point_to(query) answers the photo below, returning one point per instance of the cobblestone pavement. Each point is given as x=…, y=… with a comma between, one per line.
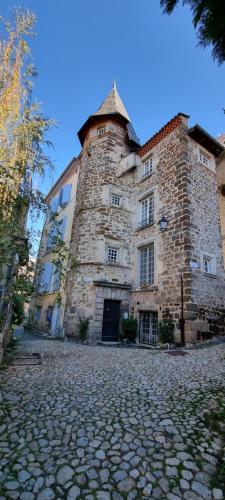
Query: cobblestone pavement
x=108, y=423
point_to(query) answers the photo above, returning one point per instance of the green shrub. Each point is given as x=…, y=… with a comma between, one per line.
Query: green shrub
x=83, y=328
x=166, y=331
x=129, y=328
x=18, y=314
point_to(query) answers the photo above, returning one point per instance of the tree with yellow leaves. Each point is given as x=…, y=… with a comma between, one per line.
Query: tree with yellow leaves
x=23, y=131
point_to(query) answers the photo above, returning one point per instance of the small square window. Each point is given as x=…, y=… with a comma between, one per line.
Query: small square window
x=101, y=130
x=203, y=158
x=148, y=166
x=112, y=254
x=116, y=200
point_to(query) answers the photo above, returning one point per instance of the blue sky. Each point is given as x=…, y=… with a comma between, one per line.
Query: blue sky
x=81, y=46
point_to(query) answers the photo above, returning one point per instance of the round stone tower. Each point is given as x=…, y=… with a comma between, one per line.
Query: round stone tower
x=99, y=278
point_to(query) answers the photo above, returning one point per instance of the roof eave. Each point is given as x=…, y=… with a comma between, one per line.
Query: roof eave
x=203, y=138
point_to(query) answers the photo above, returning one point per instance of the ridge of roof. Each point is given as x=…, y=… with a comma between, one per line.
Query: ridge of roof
x=163, y=132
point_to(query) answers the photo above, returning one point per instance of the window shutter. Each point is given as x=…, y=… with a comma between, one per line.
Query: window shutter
x=45, y=277
x=51, y=236
x=55, y=285
x=66, y=193
x=62, y=228
x=54, y=204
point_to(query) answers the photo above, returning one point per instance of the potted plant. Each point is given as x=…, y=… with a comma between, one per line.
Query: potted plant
x=166, y=331
x=129, y=329
x=83, y=328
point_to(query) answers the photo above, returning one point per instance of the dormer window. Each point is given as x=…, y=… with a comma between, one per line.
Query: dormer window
x=101, y=130
x=148, y=166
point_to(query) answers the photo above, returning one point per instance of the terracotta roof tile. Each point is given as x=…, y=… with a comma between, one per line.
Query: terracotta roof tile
x=163, y=132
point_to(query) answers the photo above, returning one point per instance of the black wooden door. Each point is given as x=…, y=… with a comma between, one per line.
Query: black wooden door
x=111, y=320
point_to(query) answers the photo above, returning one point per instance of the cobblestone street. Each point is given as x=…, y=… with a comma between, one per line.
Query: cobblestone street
x=111, y=423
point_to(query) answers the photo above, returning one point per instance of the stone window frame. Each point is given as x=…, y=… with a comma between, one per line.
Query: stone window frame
x=116, y=196
x=211, y=259
x=204, y=158
x=141, y=244
x=101, y=130
x=148, y=166
x=149, y=221
x=150, y=271
x=146, y=174
x=113, y=250
x=147, y=194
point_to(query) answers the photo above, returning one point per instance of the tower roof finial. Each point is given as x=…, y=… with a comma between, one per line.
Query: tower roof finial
x=114, y=84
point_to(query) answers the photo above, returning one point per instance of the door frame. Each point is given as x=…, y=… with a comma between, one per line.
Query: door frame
x=119, y=318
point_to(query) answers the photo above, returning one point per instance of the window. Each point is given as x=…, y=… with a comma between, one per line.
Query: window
x=45, y=278
x=101, y=130
x=147, y=265
x=116, y=200
x=112, y=254
x=148, y=166
x=57, y=231
x=203, y=158
x=148, y=327
x=38, y=313
x=208, y=264
x=65, y=194
x=54, y=204
x=147, y=211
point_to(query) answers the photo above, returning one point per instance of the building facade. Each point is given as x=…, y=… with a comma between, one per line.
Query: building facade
x=49, y=301
x=121, y=262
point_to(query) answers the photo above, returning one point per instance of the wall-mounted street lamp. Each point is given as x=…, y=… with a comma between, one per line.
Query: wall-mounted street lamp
x=163, y=223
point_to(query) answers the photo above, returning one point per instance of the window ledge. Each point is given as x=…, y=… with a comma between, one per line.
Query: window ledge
x=144, y=177
x=139, y=228
x=147, y=288
x=210, y=275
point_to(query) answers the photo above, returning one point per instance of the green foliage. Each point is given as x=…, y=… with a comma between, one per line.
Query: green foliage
x=166, y=331
x=83, y=328
x=129, y=328
x=208, y=20
x=18, y=314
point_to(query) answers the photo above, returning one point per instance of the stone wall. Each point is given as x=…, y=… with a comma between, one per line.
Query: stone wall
x=185, y=192
x=98, y=224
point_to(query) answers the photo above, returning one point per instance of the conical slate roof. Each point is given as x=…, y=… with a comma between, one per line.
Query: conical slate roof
x=113, y=105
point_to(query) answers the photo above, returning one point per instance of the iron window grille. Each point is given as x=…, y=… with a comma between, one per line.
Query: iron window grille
x=112, y=254
x=147, y=274
x=148, y=333
x=147, y=211
x=116, y=200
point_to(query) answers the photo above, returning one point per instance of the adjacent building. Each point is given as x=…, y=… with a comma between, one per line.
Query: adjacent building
x=49, y=301
x=145, y=218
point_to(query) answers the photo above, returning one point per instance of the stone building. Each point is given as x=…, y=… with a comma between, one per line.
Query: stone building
x=48, y=304
x=220, y=170
x=124, y=262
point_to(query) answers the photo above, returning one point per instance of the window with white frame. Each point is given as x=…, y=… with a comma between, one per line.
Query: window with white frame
x=116, y=199
x=208, y=264
x=112, y=254
x=101, y=130
x=147, y=211
x=148, y=166
x=147, y=274
x=203, y=158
